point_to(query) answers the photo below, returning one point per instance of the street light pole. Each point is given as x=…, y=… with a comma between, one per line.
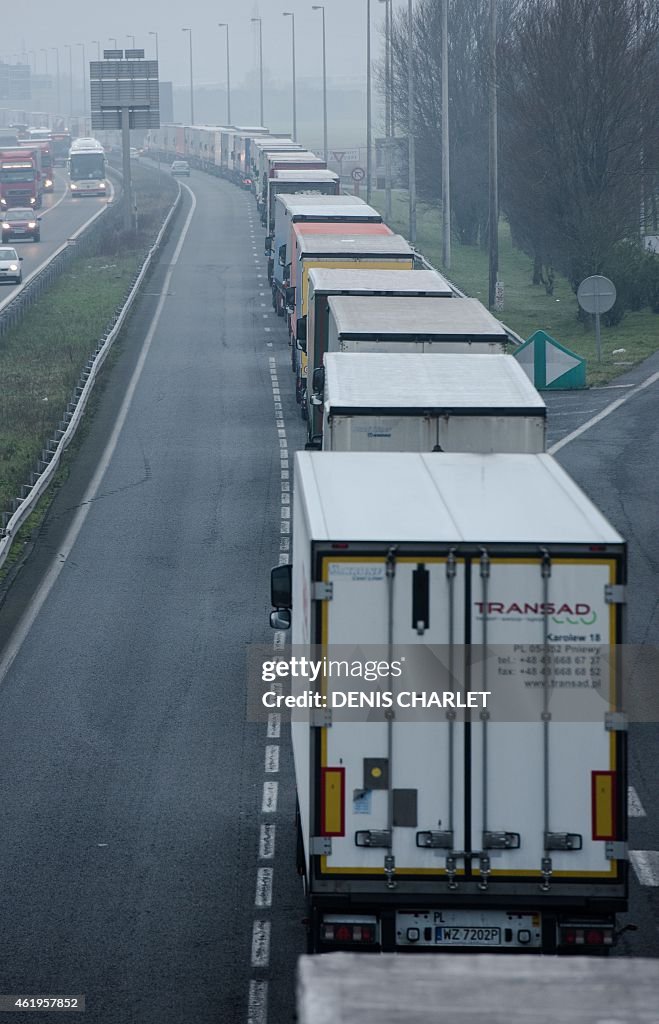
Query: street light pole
x=446, y=175
x=369, y=128
x=321, y=7
x=411, y=157
x=387, y=112
x=112, y=40
x=129, y=36
x=67, y=46
x=223, y=24
x=494, y=175
x=156, y=35
x=97, y=44
x=45, y=60
x=260, y=23
x=84, y=82
x=289, y=14
x=189, y=30
x=55, y=50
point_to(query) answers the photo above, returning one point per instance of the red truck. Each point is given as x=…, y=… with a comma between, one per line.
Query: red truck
x=21, y=178
x=47, y=161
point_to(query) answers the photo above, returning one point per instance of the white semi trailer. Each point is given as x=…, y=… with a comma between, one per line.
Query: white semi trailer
x=426, y=827
x=442, y=403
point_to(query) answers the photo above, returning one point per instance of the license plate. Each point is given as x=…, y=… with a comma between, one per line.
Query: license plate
x=19, y=231
x=468, y=936
x=448, y=927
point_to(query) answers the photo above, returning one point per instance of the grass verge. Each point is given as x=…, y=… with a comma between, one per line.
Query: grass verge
x=527, y=307
x=42, y=357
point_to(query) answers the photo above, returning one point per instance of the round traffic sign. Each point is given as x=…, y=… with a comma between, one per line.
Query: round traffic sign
x=596, y=294
x=358, y=174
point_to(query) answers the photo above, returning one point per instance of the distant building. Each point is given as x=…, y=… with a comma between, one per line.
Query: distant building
x=15, y=82
x=166, y=94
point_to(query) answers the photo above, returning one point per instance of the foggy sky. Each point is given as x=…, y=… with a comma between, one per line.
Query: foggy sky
x=45, y=24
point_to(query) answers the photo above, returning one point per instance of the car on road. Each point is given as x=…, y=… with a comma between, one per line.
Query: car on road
x=10, y=265
x=20, y=223
x=181, y=167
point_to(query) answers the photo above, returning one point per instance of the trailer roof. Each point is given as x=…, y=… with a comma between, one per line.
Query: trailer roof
x=470, y=989
x=266, y=143
x=443, y=497
x=304, y=154
x=358, y=245
x=370, y=282
x=298, y=206
x=304, y=174
x=362, y=317
x=442, y=382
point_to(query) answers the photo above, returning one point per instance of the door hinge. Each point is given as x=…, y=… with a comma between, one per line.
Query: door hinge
x=320, y=718
x=566, y=841
x=615, y=593
x=322, y=591
x=616, y=721
x=616, y=850
x=321, y=846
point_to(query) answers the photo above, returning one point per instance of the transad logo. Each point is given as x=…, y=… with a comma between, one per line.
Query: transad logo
x=580, y=613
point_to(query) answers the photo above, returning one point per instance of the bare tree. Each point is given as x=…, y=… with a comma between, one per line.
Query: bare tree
x=579, y=107
x=467, y=106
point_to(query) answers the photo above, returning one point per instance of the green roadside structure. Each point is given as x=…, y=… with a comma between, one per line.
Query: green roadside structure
x=550, y=365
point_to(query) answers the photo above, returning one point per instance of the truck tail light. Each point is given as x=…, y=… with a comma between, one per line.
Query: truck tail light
x=594, y=936
x=353, y=933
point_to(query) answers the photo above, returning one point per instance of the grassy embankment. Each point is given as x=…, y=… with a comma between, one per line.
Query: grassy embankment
x=527, y=308
x=41, y=359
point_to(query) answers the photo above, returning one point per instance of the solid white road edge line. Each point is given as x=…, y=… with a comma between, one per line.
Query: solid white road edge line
x=602, y=415
x=21, y=632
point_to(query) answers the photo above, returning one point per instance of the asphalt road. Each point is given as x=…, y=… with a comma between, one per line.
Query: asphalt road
x=146, y=827
x=60, y=216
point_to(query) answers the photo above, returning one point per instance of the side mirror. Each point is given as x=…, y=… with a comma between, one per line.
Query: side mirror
x=281, y=587
x=301, y=332
x=290, y=297
x=301, y=344
x=281, y=619
x=318, y=380
x=282, y=255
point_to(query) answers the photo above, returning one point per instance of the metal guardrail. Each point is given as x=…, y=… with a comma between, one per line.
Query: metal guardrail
x=515, y=338
x=427, y=265
x=81, y=243
x=51, y=455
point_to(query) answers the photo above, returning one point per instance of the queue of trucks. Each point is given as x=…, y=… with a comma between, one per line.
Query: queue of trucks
x=432, y=529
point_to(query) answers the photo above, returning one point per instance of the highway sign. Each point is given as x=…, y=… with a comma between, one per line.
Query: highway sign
x=596, y=295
